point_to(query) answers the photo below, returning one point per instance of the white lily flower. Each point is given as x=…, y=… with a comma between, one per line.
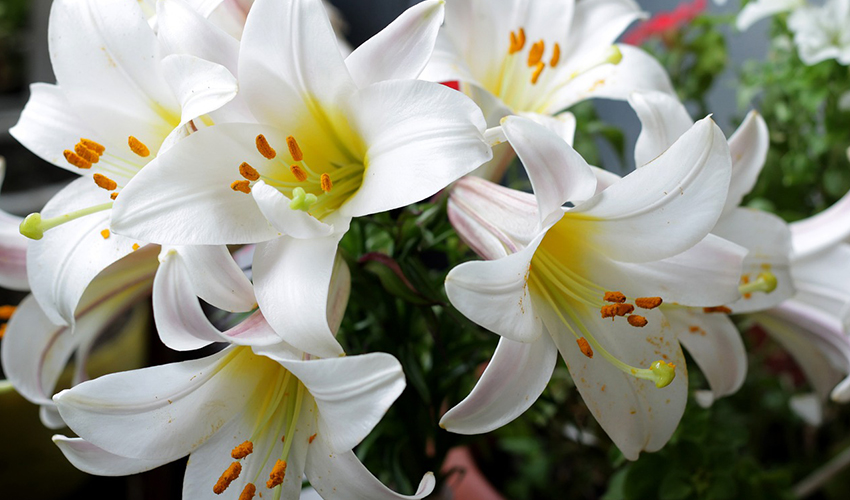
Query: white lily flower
x=645, y=235
x=821, y=33
x=759, y=9
x=13, y=247
x=251, y=422
x=336, y=139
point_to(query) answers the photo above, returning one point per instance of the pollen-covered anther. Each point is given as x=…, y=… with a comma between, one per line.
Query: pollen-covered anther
x=535, y=54
x=556, y=55
x=248, y=172
x=76, y=160
x=614, y=310
x=617, y=297
x=138, y=147
x=241, y=186
x=277, y=474
x=294, y=149
x=327, y=184
x=243, y=450
x=537, y=71
x=717, y=309
x=265, y=148
x=230, y=475
x=248, y=492
x=585, y=347
x=6, y=312
x=86, y=153
x=105, y=182
x=638, y=321
x=648, y=302
x=517, y=41
x=298, y=172
x=93, y=146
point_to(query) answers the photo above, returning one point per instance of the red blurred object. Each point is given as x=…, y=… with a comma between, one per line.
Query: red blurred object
x=663, y=23
x=454, y=84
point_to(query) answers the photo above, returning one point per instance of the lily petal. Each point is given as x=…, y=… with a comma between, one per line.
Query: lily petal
x=227, y=287
x=13, y=248
x=184, y=30
x=201, y=86
x=93, y=460
x=748, y=146
x=823, y=230
x=663, y=120
x=295, y=223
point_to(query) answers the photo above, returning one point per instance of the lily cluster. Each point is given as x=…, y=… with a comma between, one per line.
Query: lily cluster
x=224, y=147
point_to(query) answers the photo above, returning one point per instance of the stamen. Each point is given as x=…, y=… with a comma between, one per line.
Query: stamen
x=638, y=321
x=34, y=227
x=614, y=297
x=277, y=474
x=6, y=312
x=265, y=148
x=249, y=172
x=243, y=450
x=242, y=186
x=648, y=302
x=90, y=144
x=86, y=153
x=585, y=347
x=327, y=184
x=613, y=310
x=717, y=309
x=230, y=475
x=765, y=282
x=302, y=200
x=556, y=55
x=76, y=160
x=514, y=42
x=105, y=234
x=105, y=182
x=520, y=39
x=138, y=147
x=113, y=196
x=298, y=173
x=535, y=54
x=536, y=75
x=248, y=492
x=294, y=149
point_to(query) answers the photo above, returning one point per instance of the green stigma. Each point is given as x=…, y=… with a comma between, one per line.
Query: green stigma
x=34, y=227
x=302, y=200
x=765, y=282
x=664, y=373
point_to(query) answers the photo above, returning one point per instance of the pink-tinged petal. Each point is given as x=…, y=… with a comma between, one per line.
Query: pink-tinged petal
x=663, y=120
x=352, y=394
x=494, y=294
x=667, y=206
x=295, y=223
x=13, y=248
x=292, y=278
x=217, y=278
x=93, y=460
x=289, y=63
x=184, y=30
x=768, y=240
x=201, y=86
x=823, y=281
x=557, y=172
x=715, y=344
x=822, y=230
x=401, y=50
x=342, y=475
x=421, y=137
x=748, y=146
x=339, y=293
x=513, y=380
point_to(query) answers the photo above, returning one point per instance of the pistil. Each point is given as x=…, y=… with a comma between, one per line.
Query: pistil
x=34, y=227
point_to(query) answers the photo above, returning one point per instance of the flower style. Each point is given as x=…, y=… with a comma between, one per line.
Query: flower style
x=335, y=139
x=820, y=33
x=565, y=276
x=711, y=338
x=759, y=9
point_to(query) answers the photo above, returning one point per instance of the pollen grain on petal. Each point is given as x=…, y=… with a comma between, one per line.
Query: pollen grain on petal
x=76, y=160
x=311, y=438
x=537, y=71
x=241, y=186
x=249, y=172
x=717, y=309
x=617, y=297
x=638, y=321
x=227, y=477
x=105, y=182
x=86, y=153
x=243, y=450
x=138, y=147
x=105, y=234
x=265, y=148
x=248, y=492
x=277, y=474
x=648, y=302
x=585, y=347
x=298, y=172
x=6, y=312
x=327, y=184
x=136, y=246
x=113, y=196
x=92, y=145
x=556, y=55
x=294, y=149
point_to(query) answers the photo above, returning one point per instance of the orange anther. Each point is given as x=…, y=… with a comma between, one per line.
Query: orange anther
x=556, y=55
x=248, y=492
x=6, y=312
x=104, y=182
x=242, y=186
x=613, y=310
x=230, y=475
x=298, y=173
x=638, y=321
x=537, y=71
x=138, y=147
x=86, y=153
x=265, y=148
x=76, y=160
x=585, y=347
x=648, y=302
x=90, y=144
x=243, y=450
x=327, y=184
x=535, y=54
x=614, y=297
x=249, y=172
x=105, y=234
x=277, y=474
x=717, y=309
x=520, y=39
x=294, y=149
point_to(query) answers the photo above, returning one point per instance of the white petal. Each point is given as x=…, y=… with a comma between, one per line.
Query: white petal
x=93, y=460
x=342, y=475
x=401, y=50
x=217, y=278
x=758, y=10
x=183, y=30
x=663, y=120
x=201, y=86
x=352, y=393
x=13, y=248
x=563, y=124
x=292, y=278
x=296, y=223
x=748, y=146
x=715, y=344
x=823, y=282
x=494, y=294
x=822, y=230
x=421, y=136
x=513, y=380
x=667, y=206
x=558, y=174
x=596, y=25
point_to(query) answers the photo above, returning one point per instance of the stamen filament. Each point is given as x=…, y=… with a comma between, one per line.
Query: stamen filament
x=34, y=227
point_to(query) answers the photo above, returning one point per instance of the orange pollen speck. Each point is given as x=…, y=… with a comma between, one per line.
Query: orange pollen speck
x=105, y=234
x=241, y=186
x=277, y=474
x=104, y=182
x=248, y=492
x=113, y=196
x=638, y=321
x=138, y=147
x=298, y=173
x=535, y=54
x=294, y=149
x=136, y=246
x=243, y=450
x=613, y=310
x=76, y=160
x=265, y=148
x=614, y=297
x=6, y=312
x=327, y=184
x=86, y=153
x=585, y=347
x=249, y=172
x=311, y=438
x=537, y=71
x=717, y=309
x=556, y=55
x=230, y=475
x=90, y=144
x=648, y=302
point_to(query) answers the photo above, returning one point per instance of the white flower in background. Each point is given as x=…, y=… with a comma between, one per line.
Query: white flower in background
x=336, y=139
x=821, y=33
x=759, y=9
x=565, y=275
x=711, y=337
x=13, y=247
x=541, y=57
